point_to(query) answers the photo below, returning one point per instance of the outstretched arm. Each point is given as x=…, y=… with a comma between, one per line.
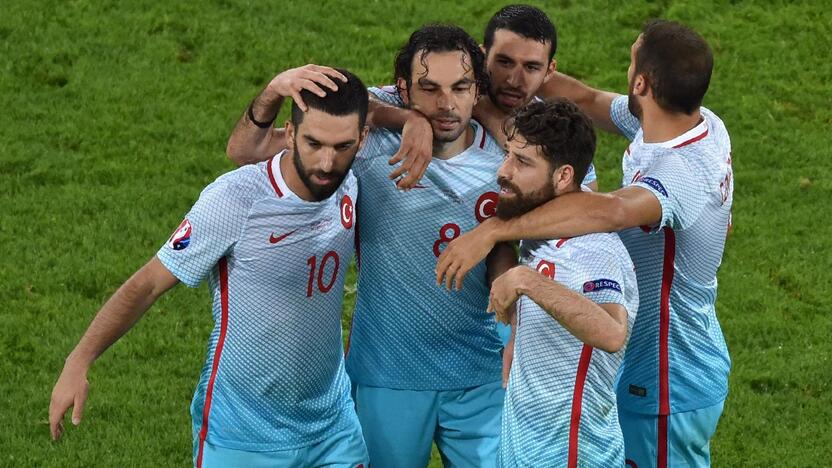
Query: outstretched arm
x=569, y=215
x=595, y=103
x=602, y=326
x=115, y=318
x=254, y=138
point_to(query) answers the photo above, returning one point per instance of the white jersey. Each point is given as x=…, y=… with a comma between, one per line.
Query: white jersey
x=560, y=407
x=274, y=376
x=677, y=359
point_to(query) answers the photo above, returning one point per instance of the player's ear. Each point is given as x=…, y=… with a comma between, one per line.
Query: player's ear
x=401, y=85
x=563, y=178
x=363, y=136
x=290, y=134
x=550, y=70
x=640, y=85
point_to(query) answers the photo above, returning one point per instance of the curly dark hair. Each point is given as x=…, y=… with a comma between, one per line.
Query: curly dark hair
x=564, y=133
x=440, y=38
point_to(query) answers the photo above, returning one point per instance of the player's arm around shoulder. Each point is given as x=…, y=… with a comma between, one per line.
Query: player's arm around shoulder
x=387, y=110
x=596, y=103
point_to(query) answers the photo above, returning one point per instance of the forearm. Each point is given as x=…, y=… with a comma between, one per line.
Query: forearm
x=583, y=318
x=116, y=317
x=593, y=102
x=568, y=215
x=383, y=115
x=250, y=143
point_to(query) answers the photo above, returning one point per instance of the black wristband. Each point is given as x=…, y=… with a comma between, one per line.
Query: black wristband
x=255, y=122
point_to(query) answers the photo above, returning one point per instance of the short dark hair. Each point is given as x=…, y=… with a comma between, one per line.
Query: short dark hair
x=350, y=97
x=677, y=63
x=524, y=20
x=441, y=38
x=560, y=128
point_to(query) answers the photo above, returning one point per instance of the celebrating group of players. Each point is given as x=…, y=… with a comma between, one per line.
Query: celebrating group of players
x=613, y=354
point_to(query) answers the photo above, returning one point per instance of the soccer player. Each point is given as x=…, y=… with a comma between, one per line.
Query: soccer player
x=520, y=44
x=274, y=241
x=426, y=363
x=577, y=298
x=673, y=214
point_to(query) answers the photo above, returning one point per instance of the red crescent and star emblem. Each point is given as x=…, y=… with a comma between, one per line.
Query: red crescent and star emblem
x=546, y=269
x=486, y=206
x=347, y=212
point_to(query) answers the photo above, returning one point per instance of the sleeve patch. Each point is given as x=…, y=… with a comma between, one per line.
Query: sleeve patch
x=181, y=237
x=601, y=284
x=655, y=184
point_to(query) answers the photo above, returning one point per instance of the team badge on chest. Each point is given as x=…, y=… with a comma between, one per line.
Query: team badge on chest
x=347, y=212
x=486, y=206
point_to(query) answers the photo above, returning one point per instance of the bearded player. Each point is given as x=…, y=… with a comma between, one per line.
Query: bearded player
x=273, y=240
x=576, y=302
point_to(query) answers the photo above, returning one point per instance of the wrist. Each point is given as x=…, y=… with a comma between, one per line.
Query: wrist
x=77, y=361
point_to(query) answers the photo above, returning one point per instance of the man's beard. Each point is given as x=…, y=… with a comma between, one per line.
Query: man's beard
x=520, y=204
x=319, y=192
x=447, y=136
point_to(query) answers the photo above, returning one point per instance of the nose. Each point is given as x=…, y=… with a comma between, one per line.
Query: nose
x=328, y=160
x=515, y=77
x=503, y=172
x=445, y=101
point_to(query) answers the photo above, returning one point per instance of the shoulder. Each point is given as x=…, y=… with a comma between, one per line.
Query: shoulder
x=592, y=248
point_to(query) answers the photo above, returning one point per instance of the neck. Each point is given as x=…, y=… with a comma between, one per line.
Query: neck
x=292, y=178
x=449, y=149
x=659, y=125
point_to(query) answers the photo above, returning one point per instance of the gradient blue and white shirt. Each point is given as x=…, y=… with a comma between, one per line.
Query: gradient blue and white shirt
x=407, y=332
x=677, y=358
x=274, y=376
x=560, y=406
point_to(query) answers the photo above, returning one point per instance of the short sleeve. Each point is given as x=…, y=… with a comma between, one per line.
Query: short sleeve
x=623, y=119
x=677, y=186
x=387, y=94
x=590, y=176
x=208, y=232
x=600, y=276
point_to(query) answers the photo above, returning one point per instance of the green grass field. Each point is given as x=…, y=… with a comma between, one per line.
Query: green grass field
x=115, y=114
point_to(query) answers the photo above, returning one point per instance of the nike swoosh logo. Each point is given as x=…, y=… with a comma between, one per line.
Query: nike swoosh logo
x=275, y=240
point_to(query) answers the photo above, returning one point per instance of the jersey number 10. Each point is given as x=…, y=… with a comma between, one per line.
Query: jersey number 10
x=313, y=263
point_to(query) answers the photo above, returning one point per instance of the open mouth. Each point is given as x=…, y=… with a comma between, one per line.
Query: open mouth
x=511, y=99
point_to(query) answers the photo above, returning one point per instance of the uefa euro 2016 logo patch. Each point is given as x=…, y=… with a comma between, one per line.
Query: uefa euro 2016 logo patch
x=181, y=237
x=601, y=284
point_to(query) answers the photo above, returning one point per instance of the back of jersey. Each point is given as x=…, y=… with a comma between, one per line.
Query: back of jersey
x=678, y=360
x=407, y=332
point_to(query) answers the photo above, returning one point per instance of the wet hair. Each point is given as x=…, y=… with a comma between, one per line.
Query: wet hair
x=677, y=63
x=350, y=98
x=558, y=126
x=440, y=38
x=526, y=21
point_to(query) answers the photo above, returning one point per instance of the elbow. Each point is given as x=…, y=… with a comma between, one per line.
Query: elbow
x=234, y=153
x=615, y=214
x=615, y=340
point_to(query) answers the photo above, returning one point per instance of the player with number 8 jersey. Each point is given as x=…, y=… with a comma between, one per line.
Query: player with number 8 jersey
x=400, y=312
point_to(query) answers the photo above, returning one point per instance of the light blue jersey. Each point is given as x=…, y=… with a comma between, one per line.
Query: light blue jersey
x=560, y=407
x=274, y=376
x=677, y=360
x=407, y=332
